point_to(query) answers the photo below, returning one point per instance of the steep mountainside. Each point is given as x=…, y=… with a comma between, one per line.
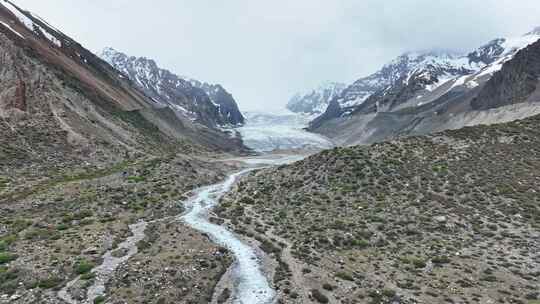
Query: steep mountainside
x=85, y=156
x=426, y=70
x=50, y=83
x=432, y=85
x=225, y=102
x=209, y=104
x=452, y=217
x=515, y=83
x=316, y=101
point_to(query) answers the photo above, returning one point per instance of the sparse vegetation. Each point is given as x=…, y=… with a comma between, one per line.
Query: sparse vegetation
x=430, y=207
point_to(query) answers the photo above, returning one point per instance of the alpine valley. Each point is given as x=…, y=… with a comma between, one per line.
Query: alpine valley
x=122, y=182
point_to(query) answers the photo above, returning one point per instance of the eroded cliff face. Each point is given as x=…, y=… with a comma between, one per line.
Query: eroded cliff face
x=59, y=100
x=50, y=115
x=516, y=82
x=13, y=87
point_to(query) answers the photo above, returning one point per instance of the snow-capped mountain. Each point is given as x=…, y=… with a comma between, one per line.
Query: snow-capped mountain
x=418, y=78
x=223, y=99
x=418, y=70
x=316, y=101
x=432, y=82
x=429, y=67
x=208, y=104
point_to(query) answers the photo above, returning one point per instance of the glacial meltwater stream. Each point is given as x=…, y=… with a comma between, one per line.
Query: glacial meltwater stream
x=251, y=284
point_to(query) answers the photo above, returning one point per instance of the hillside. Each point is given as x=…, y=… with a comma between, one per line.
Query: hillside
x=447, y=218
x=86, y=158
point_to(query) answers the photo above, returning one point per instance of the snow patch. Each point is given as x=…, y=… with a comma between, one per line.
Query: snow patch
x=472, y=84
x=11, y=29
x=441, y=81
x=31, y=25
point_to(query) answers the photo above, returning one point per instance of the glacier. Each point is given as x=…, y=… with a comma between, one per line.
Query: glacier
x=264, y=132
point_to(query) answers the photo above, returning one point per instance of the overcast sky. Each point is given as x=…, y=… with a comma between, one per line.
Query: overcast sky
x=265, y=51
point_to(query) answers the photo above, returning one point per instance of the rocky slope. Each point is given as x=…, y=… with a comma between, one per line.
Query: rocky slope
x=209, y=104
x=83, y=155
x=228, y=109
x=431, y=87
x=447, y=218
x=315, y=102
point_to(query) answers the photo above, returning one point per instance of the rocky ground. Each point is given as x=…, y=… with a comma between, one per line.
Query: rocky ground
x=56, y=223
x=448, y=218
x=175, y=265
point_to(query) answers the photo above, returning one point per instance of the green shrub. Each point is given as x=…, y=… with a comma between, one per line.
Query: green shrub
x=37, y=234
x=8, y=275
x=143, y=245
x=7, y=257
x=84, y=267
x=9, y=287
x=415, y=261
x=86, y=222
x=8, y=240
x=327, y=286
x=99, y=300
x=489, y=278
x=88, y=276
x=82, y=215
x=389, y=293
x=441, y=260
x=62, y=227
x=345, y=276
x=360, y=243
x=419, y=263
x=136, y=179
x=49, y=283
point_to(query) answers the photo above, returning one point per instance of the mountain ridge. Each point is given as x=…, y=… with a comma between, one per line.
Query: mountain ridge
x=425, y=86
x=209, y=104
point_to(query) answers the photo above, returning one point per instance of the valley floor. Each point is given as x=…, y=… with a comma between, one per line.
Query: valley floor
x=58, y=228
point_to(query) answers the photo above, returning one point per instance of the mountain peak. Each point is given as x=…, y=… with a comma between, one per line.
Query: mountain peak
x=418, y=54
x=317, y=100
x=535, y=31
x=110, y=53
